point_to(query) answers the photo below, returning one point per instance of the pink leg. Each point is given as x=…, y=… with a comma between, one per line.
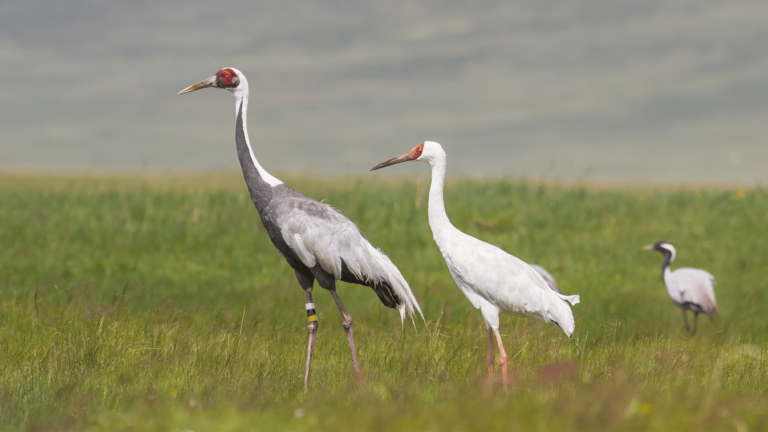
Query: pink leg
x=347, y=324
x=502, y=359
x=491, y=355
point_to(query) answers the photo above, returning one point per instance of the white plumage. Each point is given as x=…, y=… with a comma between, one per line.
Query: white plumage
x=690, y=285
x=494, y=281
x=497, y=282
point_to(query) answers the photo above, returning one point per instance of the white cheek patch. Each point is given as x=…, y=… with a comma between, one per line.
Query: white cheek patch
x=670, y=248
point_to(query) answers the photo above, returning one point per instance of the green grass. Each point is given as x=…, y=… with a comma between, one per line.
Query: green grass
x=158, y=303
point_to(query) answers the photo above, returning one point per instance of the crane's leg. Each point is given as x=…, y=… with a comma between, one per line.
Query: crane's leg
x=713, y=317
x=695, y=322
x=502, y=359
x=491, y=355
x=307, y=283
x=347, y=323
x=313, y=325
x=685, y=318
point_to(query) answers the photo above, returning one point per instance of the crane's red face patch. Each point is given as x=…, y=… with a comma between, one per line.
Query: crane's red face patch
x=416, y=152
x=227, y=78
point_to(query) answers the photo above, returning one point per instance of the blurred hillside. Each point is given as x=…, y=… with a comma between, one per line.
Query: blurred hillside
x=630, y=90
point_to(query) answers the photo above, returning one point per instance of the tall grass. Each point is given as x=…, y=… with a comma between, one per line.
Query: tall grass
x=160, y=304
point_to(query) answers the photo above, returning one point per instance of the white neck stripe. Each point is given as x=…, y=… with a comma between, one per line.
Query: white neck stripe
x=671, y=249
x=242, y=96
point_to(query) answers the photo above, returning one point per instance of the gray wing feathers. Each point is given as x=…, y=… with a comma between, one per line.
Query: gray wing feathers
x=320, y=235
x=548, y=278
x=382, y=269
x=296, y=243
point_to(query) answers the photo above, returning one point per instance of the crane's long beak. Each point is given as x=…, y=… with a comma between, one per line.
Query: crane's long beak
x=405, y=157
x=210, y=82
x=647, y=247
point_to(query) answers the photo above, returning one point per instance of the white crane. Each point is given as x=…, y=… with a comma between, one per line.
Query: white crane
x=316, y=240
x=689, y=288
x=493, y=280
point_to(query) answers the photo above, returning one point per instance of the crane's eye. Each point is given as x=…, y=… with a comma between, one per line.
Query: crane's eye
x=227, y=78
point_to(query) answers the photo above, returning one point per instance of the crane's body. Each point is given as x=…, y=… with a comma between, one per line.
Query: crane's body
x=492, y=280
x=689, y=288
x=317, y=241
x=496, y=282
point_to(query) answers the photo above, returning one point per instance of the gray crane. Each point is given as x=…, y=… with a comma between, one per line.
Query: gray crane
x=316, y=240
x=689, y=288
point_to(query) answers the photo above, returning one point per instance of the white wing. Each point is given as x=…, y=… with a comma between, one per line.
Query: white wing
x=506, y=282
x=321, y=235
x=690, y=285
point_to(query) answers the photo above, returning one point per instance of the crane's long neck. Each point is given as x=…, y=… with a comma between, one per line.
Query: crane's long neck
x=665, y=270
x=259, y=181
x=438, y=219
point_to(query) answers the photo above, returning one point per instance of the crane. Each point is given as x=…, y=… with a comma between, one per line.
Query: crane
x=689, y=288
x=493, y=280
x=316, y=240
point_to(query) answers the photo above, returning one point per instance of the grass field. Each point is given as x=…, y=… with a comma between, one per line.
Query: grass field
x=158, y=303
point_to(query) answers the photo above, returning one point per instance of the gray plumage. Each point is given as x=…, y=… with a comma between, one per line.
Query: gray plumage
x=548, y=278
x=316, y=240
x=319, y=241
